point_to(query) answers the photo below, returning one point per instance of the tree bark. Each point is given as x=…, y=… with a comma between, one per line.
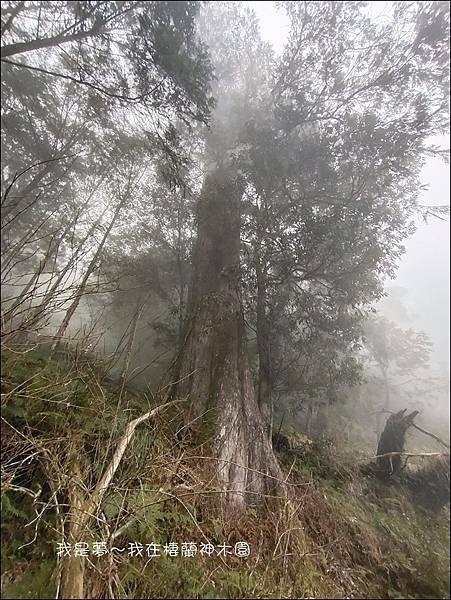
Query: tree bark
x=263, y=344
x=392, y=440
x=73, y=567
x=212, y=369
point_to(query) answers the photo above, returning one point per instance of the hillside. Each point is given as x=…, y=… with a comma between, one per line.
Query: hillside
x=344, y=536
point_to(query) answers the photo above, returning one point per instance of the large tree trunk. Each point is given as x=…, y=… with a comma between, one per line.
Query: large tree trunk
x=212, y=369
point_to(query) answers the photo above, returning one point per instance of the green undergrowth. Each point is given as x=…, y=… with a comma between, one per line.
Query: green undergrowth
x=343, y=536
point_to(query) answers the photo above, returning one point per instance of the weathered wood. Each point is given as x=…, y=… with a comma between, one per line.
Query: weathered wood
x=81, y=509
x=391, y=442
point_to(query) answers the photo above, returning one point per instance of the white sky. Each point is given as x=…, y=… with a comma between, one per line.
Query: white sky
x=273, y=23
x=424, y=269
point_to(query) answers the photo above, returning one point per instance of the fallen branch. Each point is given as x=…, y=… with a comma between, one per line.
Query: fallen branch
x=105, y=480
x=437, y=439
x=410, y=454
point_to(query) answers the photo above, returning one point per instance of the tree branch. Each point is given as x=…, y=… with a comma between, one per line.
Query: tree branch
x=437, y=439
x=105, y=480
x=21, y=47
x=411, y=454
x=82, y=82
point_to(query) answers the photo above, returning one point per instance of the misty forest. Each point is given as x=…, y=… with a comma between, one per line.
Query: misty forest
x=211, y=385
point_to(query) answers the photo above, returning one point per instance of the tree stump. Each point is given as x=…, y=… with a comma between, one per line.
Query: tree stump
x=392, y=440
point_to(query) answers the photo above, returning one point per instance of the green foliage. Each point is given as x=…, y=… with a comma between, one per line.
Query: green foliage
x=11, y=509
x=357, y=535
x=35, y=581
x=47, y=399
x=393, y=348
x=331, y=165
x=27, y=565
x=326, y=143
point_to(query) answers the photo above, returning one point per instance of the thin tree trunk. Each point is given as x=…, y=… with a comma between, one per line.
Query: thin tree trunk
x=81, y=288
x=56, y=40
x=73, y=568
x=129, y=348
x=212, y=370
x=263, y=344
x=14, y=12
x=51, y=251
x=181, y=278
x=32, y=185
x=39, y=311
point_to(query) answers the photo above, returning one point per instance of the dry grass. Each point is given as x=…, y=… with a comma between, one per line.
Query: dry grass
x=342, y=536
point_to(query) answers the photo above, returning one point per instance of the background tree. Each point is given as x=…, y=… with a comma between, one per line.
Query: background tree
x=325, y=219
x=55, y=130
x=395, y=351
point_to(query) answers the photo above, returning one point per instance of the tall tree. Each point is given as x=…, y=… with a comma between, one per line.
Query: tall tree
x=348, y=88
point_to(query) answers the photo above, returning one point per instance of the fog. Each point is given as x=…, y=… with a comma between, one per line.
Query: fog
x=225, y=299
x=424, y=269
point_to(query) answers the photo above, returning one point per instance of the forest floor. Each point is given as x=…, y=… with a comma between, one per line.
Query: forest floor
x=345, y=536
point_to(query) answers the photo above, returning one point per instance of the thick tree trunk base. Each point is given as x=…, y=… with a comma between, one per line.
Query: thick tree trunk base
x=218, y=381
